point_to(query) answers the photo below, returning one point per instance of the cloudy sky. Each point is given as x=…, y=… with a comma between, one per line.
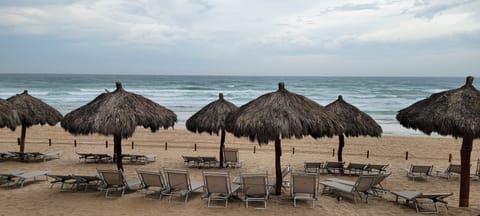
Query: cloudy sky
x=241, y=37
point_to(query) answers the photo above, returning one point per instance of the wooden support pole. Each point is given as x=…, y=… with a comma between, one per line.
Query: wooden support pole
x=75, y=143
x=18, y=140
x=293, y=150
x=133, y=145
x=368, y=154
x=406, y=155
x=450, y=157
x=195, y=147
x=333, y=152
x=166, y=146
x=106, y=143
x=49, y=142
x=254, y=149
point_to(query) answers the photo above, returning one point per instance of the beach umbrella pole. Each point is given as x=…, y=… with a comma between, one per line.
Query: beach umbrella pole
x=222, y=147
x=341, y=144
x=465, y=154
x=278, y=169
x=22, y=138
x=117, y=141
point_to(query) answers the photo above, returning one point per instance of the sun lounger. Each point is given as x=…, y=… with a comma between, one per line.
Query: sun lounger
x=313, y=167
x=360, y=189
x=179, y=183
x=28, y=156
x=305, y=187
x=416, y=170
x=450, y=171
x=420, y=200
x=139, y=158
x=6, y=156
x=232, y=158
x=356, y=168
x=379, y=168
x=207, y=161
x=152, y=181
x=218, y=187
x=285, y=181
x=86, y=181
x=21, y=178
x=191, y=161
x=114, y=180
x=62, y=180
x=8, y=176
x=377, y=187
x=255, y=187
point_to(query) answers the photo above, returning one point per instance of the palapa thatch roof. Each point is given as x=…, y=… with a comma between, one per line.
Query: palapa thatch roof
x=8, y=115
x=32, y=111
x=211, y=118
x=355, y=122
x=283, y=114
x=455, y=112
x=118, y=113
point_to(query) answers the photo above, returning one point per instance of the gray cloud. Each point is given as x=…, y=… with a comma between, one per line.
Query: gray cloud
x=428, y=8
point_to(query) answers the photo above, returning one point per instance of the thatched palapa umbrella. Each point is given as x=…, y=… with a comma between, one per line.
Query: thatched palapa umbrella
x=355, y=122
x=211, y=119
x=8, y=115
x=118, y=113
x=33, y=111
x=454, y=112
x=281, y=114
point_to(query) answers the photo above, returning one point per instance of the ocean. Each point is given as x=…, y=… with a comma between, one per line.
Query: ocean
x=380, y=97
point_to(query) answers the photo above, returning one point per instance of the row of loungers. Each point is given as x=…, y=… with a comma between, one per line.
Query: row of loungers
x=30, y=156
x=230, y=159
x=219, y=187
x=424, y=171
x=106, y=158
x=332, y=167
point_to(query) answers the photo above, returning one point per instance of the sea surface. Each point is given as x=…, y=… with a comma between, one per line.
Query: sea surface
x=380, y=97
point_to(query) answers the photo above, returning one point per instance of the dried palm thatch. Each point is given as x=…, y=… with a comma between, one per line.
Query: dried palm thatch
x=455, y=112
x=8, y=115
x=211, y=119
x=355, y=122
x=281, y=114
x=118, y=113
x=33, y=111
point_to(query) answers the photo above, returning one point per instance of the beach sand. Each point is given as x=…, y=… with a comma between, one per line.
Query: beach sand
x=36, y=198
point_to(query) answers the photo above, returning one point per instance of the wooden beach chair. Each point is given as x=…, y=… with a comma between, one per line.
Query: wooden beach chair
x=179, y=183
x=218, y=187
x=255, y=187
x=420, y=200
x=304, y=187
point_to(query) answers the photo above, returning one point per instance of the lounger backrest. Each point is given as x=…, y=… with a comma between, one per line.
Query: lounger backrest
x=455, y=168
x=364, y=183
x=380, y=178
x=217, y=182
x=287, y=170
x=231, y=155
x=177, y=179
x=150, y=179
x=426, y=169
x=112, y=177
x=254, y=184
x=304, y=183
x=356, y=166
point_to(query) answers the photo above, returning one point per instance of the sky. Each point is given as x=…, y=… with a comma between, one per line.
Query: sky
x=241, y=37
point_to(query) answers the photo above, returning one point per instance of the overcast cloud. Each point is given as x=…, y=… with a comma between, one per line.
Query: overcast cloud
x=215, y=37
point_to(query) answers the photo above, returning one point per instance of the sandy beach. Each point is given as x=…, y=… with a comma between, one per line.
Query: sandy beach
x=36, y=198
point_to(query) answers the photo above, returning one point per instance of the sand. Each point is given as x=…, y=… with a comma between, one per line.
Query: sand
x=36, y=198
